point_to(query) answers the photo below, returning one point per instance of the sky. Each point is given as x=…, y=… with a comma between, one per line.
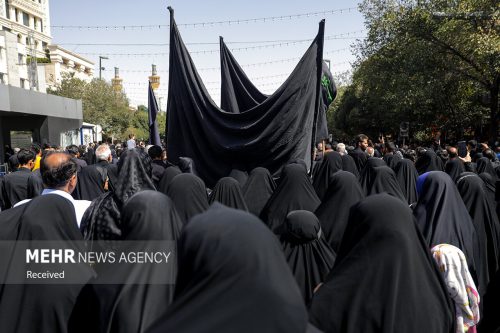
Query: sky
x=260, y=47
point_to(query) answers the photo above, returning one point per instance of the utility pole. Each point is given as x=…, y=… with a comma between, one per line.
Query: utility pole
x=100, y=66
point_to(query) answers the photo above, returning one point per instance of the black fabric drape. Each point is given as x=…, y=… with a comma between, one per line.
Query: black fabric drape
x=294, y=192
x=331, y=163
x=239, y=94
x=258, y=189
x=442, y=217
x=44, y=308
x=344, y=192
x=153, y=109
x=269, y=135
x=101, y=220
x=227, y=191
x=306, y=251
x=232, y=277
x=454, y=168
x=384, y=278
x=485, y=220
x=407, y=175
x=189, y=194
x=133, y=306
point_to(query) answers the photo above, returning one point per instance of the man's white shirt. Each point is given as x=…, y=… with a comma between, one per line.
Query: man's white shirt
x=79, y=205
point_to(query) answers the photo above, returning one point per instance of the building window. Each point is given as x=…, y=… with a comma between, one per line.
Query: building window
x=26, y=19
x=7, y=9
x=2, y=78
x=22, y=83
x=27, y=41
x=16, y=12
x=20, y=59
x=41, y=25
x=35, y=22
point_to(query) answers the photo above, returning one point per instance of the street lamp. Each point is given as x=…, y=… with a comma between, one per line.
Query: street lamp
x=100, y=66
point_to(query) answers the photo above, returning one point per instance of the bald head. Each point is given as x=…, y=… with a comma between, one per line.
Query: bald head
x=58, y=171
x=452, y=152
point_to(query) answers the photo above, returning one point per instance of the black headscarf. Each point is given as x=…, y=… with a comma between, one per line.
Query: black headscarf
x=240, y=176
x=454, y=168
x=332, y=162
x=227, y=191
x=407, y=175
x=367, y=173
x=189, y=194
x=349, y=165
x=90, y=184
x=232, y=277
x=485, y=220
x=186, y=164
x=168, y=175
x=484, y=165
x=26, y=308
x=384, y=180
x=294, y=192
x=384, y=278
x=258, y=189
x=429, y=161
x=490, y=187
x=306, y=251
x=333, y=213
x=102, y=219
x=443, y=218
x=392, y=160
x=135, y=305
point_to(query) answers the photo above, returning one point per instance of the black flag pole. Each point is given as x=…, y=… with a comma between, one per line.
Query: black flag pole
x=171, y=10
x=319, y=73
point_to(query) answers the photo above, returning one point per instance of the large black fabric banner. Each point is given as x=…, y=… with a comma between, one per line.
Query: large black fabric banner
x=239, y=94
x=270, y=134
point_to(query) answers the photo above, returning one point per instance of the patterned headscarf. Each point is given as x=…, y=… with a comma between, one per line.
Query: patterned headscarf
x=461, y=287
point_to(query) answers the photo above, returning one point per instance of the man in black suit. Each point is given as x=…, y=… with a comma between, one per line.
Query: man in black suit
x=15, y=184
x=359, y=154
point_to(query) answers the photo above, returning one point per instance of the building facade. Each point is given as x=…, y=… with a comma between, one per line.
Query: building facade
x=27, y=112
x=25, y=34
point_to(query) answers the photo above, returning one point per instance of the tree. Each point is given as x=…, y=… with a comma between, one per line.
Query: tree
x=140, y=123
x=432, y=63
x=101, y=104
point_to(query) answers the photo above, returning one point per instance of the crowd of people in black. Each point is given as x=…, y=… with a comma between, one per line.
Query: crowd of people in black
x=372, y=238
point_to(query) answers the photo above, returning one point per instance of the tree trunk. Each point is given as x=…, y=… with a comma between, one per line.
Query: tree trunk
x=494, y=109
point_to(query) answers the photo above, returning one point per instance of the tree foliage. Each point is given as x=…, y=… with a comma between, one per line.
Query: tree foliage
x=104, y=106
x=434, y=63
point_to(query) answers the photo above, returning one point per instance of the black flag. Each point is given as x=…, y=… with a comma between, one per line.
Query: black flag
x=239, y=94
x=271, y=134
x=154, y=135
